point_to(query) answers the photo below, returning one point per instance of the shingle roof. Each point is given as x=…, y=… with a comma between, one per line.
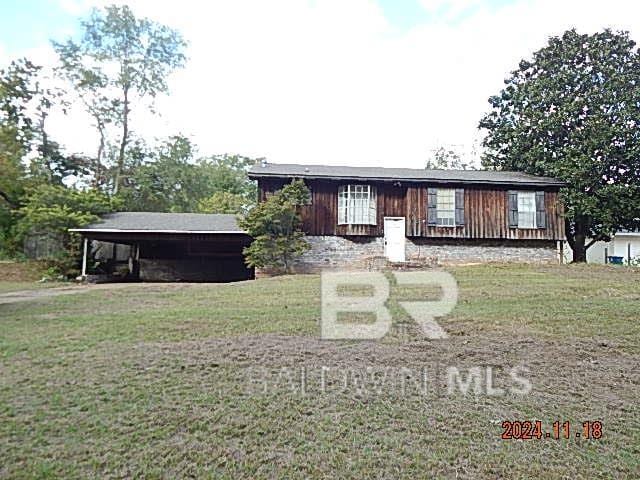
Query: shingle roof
x=165, y=223
x=399, y=174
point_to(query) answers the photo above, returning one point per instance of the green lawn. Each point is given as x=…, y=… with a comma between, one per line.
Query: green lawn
x=166, y=381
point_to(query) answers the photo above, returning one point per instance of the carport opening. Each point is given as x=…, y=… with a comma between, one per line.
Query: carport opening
x=207, y=248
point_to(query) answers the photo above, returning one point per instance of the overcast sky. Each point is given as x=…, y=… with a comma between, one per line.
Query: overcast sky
x=354, y=82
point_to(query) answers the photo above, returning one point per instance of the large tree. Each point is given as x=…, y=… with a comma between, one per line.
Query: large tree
x=228, y=173
x=16, y=131
x=163, y=179
x=573, y=112
x=90, y=87
x=29, y=157
x=25, y=104
x=120, y=60
x=170, y=179
x=26, y=100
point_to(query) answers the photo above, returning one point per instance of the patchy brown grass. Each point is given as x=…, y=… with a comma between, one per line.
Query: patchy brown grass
x=207, y=381
x=11, y=271
x=15, y=276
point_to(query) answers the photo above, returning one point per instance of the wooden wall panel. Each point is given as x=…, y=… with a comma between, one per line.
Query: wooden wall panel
x=267, y=186
x=415, y=214
x=321, y=217
x=486, y=214
x=393, y=200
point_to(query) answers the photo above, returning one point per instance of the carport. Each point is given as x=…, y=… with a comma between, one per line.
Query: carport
x=190, y=247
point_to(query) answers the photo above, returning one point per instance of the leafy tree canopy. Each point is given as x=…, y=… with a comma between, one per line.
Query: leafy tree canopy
x=54, y=209
x=573, y=112
x=57, y=208
x=164, y=180
x=17, y=90
x=25, y=104
x=224, y=202
x=11, y=166
x=170, y=179
x=28, y=156
x=228, y=173
x=448, y=159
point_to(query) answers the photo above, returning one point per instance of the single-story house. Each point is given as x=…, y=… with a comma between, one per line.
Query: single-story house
x=194, y=247
x=359, y=213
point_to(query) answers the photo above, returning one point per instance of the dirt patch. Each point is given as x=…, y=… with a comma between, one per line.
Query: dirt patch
x=208, y=393
x=582, y=368
x=559, y=371
x=29, y=295
x=21, y=271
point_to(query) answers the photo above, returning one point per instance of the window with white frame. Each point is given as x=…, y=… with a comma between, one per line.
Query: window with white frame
x=356, y=205
x=526, y=209
x=446, y=207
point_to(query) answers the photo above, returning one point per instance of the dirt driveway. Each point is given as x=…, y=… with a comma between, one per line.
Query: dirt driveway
x=30, y=295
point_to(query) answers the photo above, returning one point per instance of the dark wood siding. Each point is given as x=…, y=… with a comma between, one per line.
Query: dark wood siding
x=485, y=211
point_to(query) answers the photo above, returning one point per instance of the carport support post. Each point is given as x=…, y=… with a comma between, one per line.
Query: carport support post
x=560, y=251
x=136, y=262
x=84, y=257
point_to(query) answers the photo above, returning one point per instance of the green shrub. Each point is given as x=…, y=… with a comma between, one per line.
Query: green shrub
x=53, y=210
x=276, y=228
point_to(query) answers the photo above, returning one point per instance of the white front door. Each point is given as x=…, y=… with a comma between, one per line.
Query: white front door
x=394, y=239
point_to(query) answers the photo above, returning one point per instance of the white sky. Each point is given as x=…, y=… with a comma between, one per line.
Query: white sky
x=335, y=82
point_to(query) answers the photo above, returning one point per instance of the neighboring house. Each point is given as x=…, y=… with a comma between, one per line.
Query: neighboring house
x=152, y=246
x=623, y=244
x=358, y=214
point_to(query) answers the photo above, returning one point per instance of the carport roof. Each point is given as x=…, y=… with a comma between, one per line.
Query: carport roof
x=156, y=222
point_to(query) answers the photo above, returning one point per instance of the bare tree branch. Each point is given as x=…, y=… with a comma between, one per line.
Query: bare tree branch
x=7, y=199
x=590, y=243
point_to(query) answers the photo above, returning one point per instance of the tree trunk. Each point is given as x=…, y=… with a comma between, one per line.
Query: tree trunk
x=577, y=239
x=99, y=158
x=44, y=146
x=123, y=142
x=579, y=249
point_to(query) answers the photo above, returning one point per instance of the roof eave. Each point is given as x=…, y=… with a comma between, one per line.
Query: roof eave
x=558, y=183
x=119, y=230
